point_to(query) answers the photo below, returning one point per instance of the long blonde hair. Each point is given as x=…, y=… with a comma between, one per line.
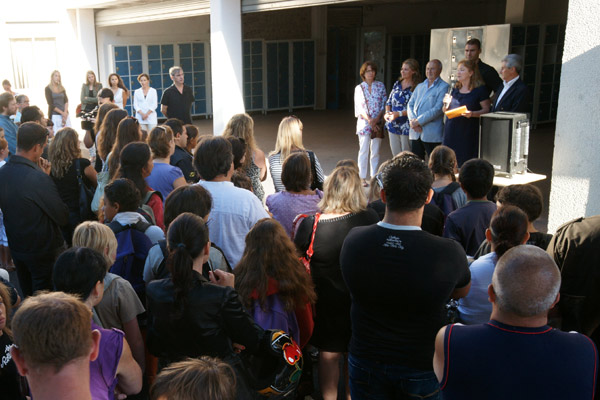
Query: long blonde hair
x=343, y=192
x=241, y=126
x=96, y=236
x=63, y=149
x=59, y=87
x=289, y=137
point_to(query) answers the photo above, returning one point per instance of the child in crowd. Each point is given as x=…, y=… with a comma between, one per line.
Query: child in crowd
x=192, y=138
x=467, y=225
x=273, y=284
x=529, y=199
x=193, y=199
x=121, y=204
x=120, y=305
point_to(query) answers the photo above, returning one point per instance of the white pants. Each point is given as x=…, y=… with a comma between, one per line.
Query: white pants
x=399, y=143
x=363, y=155
x=58, y=124
x=147, y=127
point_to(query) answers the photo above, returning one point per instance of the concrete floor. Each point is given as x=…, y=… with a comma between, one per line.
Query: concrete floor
x=331, y=135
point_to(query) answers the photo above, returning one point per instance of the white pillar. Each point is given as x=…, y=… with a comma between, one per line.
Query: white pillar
x=86, y=33
x=575, y=187
x=226, y=61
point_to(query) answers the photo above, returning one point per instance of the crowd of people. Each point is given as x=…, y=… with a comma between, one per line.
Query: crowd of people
x=156, y=271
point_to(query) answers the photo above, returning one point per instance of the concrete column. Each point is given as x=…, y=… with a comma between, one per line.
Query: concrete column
x=515, y=12
x=575, y=186
x=226, y=61
x=86, y=33
x=319, y=34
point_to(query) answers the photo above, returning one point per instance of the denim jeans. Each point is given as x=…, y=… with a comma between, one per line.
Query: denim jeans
x=372, y=380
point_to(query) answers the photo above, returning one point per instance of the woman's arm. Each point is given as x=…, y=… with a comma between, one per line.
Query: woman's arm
x=259, y=160
x=179, y=182
x=91, y=174
x=134, y=336
x=129, y=372
x=125, y=97
x=485, y=108
x=83, y=96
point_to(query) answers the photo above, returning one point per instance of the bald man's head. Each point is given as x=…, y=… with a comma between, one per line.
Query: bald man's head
x=526, y=281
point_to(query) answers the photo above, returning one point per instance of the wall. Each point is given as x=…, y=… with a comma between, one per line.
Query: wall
x=278, y=25
x=420, y=17
x=575, y=187
x=160, y=32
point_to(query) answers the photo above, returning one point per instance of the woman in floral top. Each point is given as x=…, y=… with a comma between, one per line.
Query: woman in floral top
x=395, y=108
x=369, y=102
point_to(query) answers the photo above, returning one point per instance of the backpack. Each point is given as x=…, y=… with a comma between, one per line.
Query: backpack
x=444, y=199
x=132, y=250
x=163, y=272
x=145, y=209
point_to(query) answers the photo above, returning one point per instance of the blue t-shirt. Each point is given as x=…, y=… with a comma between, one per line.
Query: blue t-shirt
x=495, y=361
x=162, y=178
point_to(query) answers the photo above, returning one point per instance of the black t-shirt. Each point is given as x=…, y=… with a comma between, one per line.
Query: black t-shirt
x=68, y=187
x=178, y=104
x=432, y=221
x=400, y=281
x=490, y=76
x=9, y=377
x=182, y=159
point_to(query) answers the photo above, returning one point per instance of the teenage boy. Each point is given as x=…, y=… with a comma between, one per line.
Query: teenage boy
x=467, y=225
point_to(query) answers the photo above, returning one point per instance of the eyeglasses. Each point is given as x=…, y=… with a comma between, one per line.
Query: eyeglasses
x=379, y=178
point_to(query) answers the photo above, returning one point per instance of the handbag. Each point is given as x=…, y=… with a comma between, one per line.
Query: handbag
x=377, y=131
x=309, y=252
x=103, y=178
x=85, y=197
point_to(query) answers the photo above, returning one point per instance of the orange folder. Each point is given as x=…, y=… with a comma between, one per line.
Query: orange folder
x=456, y=112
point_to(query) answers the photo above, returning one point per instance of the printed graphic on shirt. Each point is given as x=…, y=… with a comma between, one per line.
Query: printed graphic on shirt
x=6, y=358
x=394, y=242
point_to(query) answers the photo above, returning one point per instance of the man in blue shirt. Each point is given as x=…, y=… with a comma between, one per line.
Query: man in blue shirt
x=8, y=107
x=516, y=355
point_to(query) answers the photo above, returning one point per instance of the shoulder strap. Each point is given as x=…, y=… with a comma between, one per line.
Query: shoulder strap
x=366, y=101
x=313, y=169
x=310, y=251
x=141, y=226
x=149, y=194
x=116, y=227
x=78, y=171
x=450, y=188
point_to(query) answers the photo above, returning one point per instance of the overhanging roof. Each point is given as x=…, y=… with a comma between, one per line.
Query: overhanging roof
x=116, y=12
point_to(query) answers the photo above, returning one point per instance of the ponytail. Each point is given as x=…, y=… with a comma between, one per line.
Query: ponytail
x=508, y=227
x=186, y=239
x=442, y=161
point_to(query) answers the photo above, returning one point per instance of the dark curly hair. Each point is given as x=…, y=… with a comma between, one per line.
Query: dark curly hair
x=476, y=177
x=527, y=197
x=406, y=182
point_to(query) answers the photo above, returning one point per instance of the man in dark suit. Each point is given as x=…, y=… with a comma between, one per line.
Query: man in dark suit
x=488, y=73
x=512, y=95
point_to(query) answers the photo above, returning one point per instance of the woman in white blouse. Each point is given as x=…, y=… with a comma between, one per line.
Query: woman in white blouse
x=145, y=102
x=120, y=91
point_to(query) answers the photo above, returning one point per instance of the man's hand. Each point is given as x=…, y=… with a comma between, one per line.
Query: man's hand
x=44, y=165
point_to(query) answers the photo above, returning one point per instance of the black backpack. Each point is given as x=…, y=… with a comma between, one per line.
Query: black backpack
x=444, y=200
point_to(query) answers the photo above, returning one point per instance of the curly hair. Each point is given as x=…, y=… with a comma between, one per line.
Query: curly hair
x=241, y=126
x=270, y=254
x=63, y=149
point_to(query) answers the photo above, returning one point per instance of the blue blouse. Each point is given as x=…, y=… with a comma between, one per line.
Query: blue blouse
x=398, y=100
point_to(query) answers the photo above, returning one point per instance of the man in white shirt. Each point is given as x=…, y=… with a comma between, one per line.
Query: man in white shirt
x=512, y=95
x=234, y=211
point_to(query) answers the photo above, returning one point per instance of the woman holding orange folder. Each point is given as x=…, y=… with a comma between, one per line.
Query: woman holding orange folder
x=461, y=132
